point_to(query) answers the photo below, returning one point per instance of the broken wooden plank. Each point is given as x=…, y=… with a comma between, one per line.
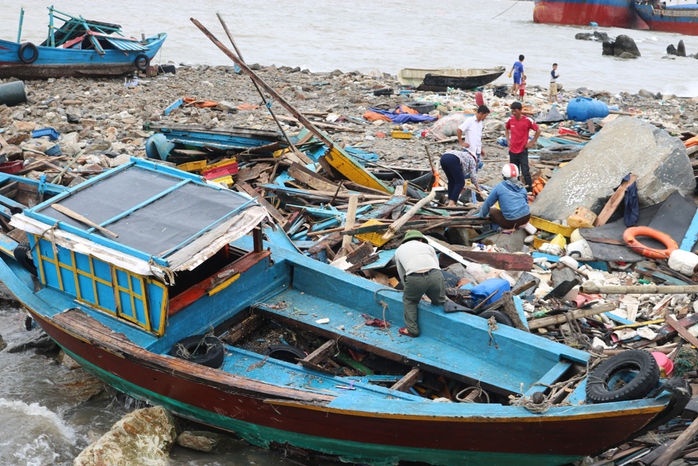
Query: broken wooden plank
x=312, y=179
x=270, y=208
x=243, y=329
x=500, y=260
x=562, y=318
x=395, y=226
x=613, y=202
x=405, y=383
x=685, y=334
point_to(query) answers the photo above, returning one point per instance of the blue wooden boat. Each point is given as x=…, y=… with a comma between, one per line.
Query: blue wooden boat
x=77, y=48
x=163, y=286
x=676, y=17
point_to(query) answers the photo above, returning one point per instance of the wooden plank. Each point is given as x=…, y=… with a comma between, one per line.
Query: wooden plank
x=613, y=202
x=312, y=179
x=320, y=353
x=350, y=220
x=405, y=383
x=270, y=208
x=500, y=260
x=685, y=334
x=82, y=219
x=562, y=318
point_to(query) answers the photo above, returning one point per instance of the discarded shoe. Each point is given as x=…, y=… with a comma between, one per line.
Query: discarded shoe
x=404, y=331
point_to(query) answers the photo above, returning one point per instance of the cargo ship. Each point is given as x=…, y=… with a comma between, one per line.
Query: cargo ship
x=605, y=13
x=678, y=16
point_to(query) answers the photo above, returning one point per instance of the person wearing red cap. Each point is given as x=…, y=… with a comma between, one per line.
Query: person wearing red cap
x=511, y=195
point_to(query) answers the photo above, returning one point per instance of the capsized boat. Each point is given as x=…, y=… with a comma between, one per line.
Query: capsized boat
x=78, y=47
x=679, y=17
x=605, y=13
x=441, y=78
x=163, y=286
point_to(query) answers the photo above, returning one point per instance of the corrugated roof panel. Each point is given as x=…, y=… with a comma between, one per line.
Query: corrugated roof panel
x=125, y=45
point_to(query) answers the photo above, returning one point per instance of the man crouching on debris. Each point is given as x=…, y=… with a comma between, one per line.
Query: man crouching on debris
x=513, y=201
x=420, y=274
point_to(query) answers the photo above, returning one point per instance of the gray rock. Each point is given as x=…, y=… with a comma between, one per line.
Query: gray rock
x=621, y=45
x=626, y=145
x=671, y=50
x=681, y=49
x=35, y=338
x=627, y=55
x=200, y=440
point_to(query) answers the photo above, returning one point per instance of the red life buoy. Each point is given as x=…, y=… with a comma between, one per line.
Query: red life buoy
x=630, y=237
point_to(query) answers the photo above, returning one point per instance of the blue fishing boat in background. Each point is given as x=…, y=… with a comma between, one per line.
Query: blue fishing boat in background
x=165, y=287
x=677, y=16
x=78, y=47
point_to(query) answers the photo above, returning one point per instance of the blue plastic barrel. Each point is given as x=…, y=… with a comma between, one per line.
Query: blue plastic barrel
x=486, y=288
x=12, y=93
x=584, y=108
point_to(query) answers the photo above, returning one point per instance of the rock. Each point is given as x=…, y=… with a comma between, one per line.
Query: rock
x=621, y=45
x=200, y=440
x=144, y=436
x=596, y=35
x=681, y=49
x=3, y=345
x=671, y=50
x=625, y=145
x=35, y=338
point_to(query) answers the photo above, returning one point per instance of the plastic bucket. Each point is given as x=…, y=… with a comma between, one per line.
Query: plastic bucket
x=584, y=108
x=12, y=93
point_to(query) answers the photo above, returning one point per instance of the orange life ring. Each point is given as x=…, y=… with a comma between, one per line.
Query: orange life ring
x=630, y=237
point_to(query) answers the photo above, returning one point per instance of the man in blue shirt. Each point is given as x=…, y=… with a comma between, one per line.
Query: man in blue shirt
x=512, y=198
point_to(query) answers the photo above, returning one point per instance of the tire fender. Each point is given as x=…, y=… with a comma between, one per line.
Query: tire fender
x=141, y=62
x=499, y=316
x=28, y=53
x=23, y=256
x=602, y=382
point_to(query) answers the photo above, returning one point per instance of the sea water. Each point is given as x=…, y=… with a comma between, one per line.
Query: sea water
x=40, y=425
x=385, y=35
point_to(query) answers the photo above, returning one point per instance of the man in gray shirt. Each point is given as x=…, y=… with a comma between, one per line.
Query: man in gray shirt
x=420, y=274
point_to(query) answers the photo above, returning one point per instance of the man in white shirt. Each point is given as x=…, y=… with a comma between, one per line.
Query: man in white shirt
x=470, y=133
x=418, y=268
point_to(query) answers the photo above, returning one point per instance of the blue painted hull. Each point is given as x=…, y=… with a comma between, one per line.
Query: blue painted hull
x=54, y=62
x=677, y=20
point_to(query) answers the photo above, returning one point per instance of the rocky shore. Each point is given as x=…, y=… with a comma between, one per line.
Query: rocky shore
x=104, y=117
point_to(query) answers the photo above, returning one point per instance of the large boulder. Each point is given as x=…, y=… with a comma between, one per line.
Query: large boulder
x=624, y=46
x=625, y=145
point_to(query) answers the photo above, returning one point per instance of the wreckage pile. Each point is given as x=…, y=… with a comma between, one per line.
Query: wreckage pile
x=345, y=189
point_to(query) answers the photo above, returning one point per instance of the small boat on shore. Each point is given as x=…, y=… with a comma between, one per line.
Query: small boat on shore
x=439, y=79
x=605, y=13
x=78, y=47
x=165, y=288
x=677, y=17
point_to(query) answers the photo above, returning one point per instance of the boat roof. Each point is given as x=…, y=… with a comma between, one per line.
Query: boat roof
x=160, y=217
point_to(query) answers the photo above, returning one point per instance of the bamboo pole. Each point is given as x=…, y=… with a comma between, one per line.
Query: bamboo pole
x=590, y=287
x=562, y=318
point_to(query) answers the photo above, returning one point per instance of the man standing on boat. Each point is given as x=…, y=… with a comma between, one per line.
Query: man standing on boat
x=518, y=71
x=418, y=268
x=516, y=130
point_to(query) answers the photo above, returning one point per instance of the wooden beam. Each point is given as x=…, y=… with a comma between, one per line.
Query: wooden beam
x=685, y=334
x=270, y=208
x=320, y=353
x=350, y=220
x=500, y=260
x=562, y=318
x=312, y=179
x=243, y=329
x=613, y=202
x=405, y=383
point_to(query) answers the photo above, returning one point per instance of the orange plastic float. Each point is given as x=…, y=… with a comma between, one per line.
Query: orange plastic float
x=630, y=237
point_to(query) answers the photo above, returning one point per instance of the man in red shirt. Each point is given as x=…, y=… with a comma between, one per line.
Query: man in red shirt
x=516, y=131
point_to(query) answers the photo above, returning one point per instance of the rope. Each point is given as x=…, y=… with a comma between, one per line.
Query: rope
x=384, y=305
x=168, y=275
x=506, y=9
x=491, y=327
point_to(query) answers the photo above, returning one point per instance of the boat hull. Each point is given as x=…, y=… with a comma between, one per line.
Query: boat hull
x=606, y=13
x=676, y=20
x=55, y=62
x=440, y=83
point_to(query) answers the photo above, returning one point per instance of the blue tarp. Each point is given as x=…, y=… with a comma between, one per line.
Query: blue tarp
x=399, y=117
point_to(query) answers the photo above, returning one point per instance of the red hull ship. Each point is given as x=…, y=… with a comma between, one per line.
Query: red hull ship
x=606, y=13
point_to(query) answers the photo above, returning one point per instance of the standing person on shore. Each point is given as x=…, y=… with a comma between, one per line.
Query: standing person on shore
x=552, y=95
x=511, y=195
x=516, y=130
x=458, y=165
x=518, y=70
x=470, y=133
x=418, y=268
x=522, y=88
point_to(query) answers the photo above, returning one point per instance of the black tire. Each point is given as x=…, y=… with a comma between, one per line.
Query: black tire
x=499, y=316
x=640, y=365
x=207, y=351
x=286, y=353
x=142, y=62
x=421, y=106
x=23, y=255
x=28, y=53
